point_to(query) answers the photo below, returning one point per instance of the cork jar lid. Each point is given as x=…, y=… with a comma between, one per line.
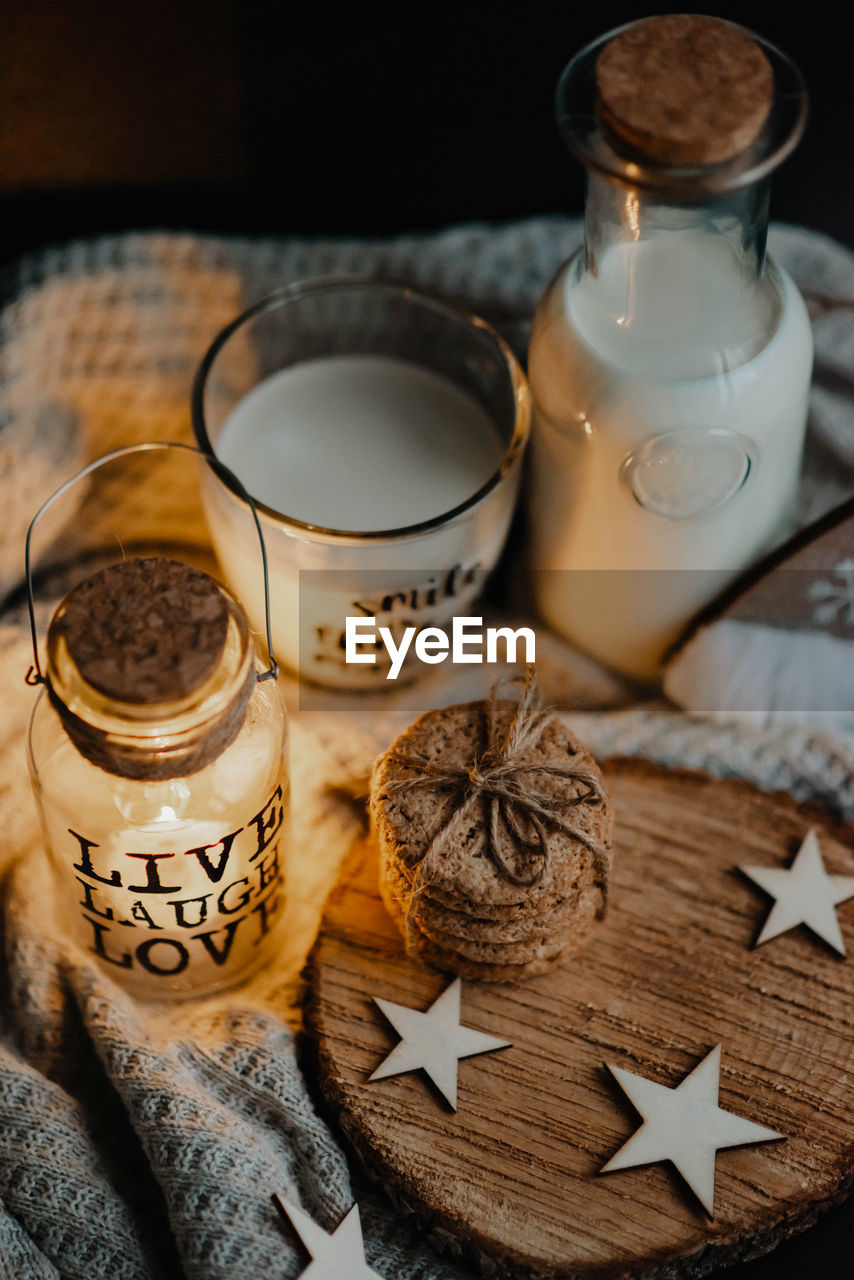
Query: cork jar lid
x=684, y=89
x=150, y=667
x=147, y=630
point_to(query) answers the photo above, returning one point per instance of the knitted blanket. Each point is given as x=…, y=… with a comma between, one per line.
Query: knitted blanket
x=141, y=1142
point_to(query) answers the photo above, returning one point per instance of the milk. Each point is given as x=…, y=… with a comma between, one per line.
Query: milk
x=671, y=342
x=362, y=444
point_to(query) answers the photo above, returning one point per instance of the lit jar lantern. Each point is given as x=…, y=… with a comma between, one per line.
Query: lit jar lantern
x=157, y=757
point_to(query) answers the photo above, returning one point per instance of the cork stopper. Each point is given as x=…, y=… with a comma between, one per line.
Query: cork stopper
x=168, y=651
x=684, y=89
x=148, y=630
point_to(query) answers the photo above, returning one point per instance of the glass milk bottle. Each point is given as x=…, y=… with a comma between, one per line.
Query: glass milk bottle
x=157, y=758
x=670, y=359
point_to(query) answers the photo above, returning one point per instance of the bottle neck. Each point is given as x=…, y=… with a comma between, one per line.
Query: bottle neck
x=674, y=290
x=618, y=214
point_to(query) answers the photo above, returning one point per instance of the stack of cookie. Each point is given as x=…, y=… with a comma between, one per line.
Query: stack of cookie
x=494, y=852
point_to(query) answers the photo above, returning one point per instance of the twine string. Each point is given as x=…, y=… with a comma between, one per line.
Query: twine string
x=503, y=777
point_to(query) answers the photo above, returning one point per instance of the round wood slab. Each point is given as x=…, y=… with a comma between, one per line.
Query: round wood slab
x=512, y=1176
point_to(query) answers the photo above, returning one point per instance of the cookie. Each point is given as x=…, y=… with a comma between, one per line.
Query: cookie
x=437, y=957
x=494, y=857
x=410, y=885
x=447, y=922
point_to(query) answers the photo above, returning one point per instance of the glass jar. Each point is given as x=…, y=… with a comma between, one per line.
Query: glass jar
x=381, y=432
x=670, y=358
x=157, y=756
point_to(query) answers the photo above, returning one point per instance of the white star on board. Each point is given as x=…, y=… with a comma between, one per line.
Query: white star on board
x=433, y=1041
x=684, y=1125
x=339, y=1256
x=804, y=893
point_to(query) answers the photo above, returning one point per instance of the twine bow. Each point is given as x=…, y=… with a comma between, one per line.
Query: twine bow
x=502, y=775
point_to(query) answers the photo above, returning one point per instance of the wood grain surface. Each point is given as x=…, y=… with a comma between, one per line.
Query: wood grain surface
x=512, y=1178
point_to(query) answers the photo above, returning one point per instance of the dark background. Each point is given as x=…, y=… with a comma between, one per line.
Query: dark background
x=365, y=120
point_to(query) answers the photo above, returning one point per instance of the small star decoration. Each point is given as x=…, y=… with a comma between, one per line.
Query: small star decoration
x=339, y=1256
x=804, y=893
x=433, y=1041
x=684, y=1125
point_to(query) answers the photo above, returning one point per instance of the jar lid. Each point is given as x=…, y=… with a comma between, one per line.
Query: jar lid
x=684, y=89
x=150, y=667
x=683, y=106
x=145, y=630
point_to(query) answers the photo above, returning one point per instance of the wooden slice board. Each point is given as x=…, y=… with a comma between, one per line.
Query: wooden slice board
x=511, y=1178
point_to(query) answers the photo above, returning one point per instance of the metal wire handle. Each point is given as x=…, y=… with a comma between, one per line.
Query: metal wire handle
x=35, y=675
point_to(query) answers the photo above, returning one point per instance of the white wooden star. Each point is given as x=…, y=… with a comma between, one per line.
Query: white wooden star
x=804, y=893
x=684, y=1125
x=433, y=1041
x=339, y=1256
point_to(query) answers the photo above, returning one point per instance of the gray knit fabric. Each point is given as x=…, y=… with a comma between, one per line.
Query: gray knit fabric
x=140, y=1142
